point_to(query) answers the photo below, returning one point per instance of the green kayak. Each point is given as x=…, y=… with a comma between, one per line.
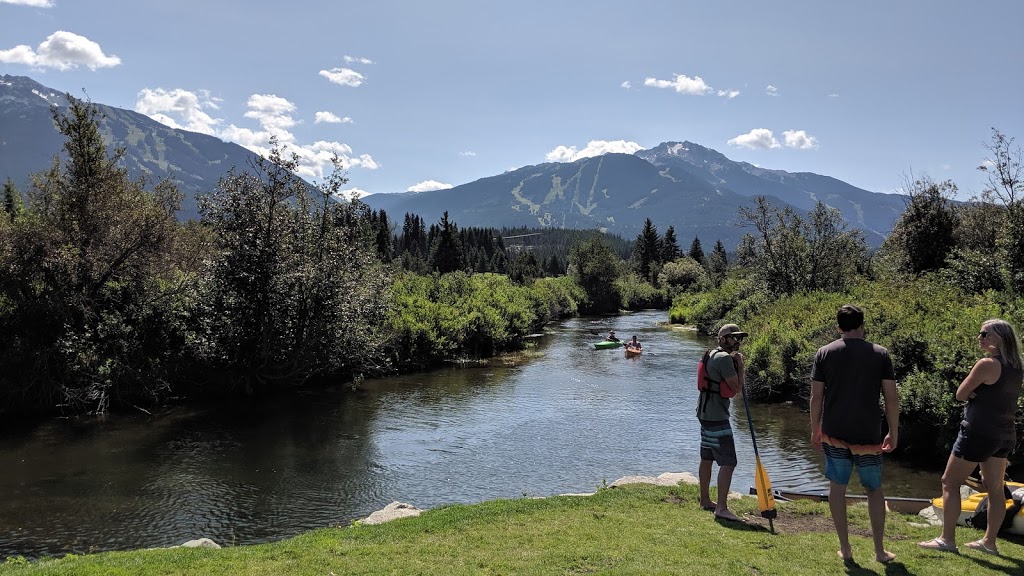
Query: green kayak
x=607, y=344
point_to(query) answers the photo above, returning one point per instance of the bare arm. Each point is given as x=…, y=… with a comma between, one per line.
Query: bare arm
x=892, y=415
x=985, y=371
x=736, y=382
x=817, y=401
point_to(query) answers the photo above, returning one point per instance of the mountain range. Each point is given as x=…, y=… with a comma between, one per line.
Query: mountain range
x=695, y=189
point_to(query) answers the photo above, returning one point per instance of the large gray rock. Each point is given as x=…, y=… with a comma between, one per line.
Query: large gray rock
x=391, y=512
x=199, y=543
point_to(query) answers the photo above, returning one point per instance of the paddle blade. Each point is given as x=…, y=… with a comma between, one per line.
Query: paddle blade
x=765, y=498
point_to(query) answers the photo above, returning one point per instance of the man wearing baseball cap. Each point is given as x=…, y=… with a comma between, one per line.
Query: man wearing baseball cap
x=725, y=364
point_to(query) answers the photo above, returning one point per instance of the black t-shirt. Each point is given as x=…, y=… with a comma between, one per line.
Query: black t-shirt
x=852, y=370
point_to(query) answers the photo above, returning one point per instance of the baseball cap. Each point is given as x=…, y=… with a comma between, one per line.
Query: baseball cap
x=730, y=330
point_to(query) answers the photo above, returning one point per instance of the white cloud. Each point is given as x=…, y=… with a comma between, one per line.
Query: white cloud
x=833, y=95
x=257, y=141
x=428, y=185
x=594, y=148
x=210, y=101
x=357, y=59
x=329, y=118
x=63, y=51
x=274, y=115
x=33, y=3
x=757, y=138
x=730, y=94
x=343, y=76
x=182, y=109
x=771, y=90
x=467, y=153
x=682, y=84
x=185, y=105
x=799, y=139
x=626, y=85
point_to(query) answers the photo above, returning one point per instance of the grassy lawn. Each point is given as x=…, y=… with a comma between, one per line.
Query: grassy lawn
x=635, y=529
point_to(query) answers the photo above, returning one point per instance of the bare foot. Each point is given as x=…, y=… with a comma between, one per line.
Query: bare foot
x=886, y=557
x=727, y=515
x=709, y=506
x=847, y=557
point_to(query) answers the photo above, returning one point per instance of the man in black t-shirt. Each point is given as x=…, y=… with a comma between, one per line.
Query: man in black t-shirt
x=846, y=379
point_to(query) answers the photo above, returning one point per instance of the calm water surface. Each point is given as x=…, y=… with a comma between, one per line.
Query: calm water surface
x=564, y=420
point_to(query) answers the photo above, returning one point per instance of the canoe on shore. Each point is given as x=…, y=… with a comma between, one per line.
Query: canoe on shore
x=894, y=503
x=605, y=344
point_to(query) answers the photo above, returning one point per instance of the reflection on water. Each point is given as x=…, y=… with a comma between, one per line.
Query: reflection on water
x=564, y=421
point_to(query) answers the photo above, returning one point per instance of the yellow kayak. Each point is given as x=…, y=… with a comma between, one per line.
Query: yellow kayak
x=969, y=505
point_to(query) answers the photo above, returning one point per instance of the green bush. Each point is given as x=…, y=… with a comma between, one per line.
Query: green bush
x=555, y=298
x=684, y=275
x=454, y=316
x=705, y=310
x=637, y=294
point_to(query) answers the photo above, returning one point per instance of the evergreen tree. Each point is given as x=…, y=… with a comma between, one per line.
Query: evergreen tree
x=646, y=251
x=524, y=268
x=13, y=204
x=383, y=236
x=446, y=252
x=697, y=252
x=670, y=246
x=553, y=267
x=717, y=264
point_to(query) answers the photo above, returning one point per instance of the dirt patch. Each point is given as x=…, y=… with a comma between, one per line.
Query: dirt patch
x=787, y=522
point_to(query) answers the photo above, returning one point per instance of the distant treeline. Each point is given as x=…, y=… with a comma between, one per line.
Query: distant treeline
x=444, y=247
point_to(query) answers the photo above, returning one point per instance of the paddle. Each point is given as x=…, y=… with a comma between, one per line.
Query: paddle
x=765, y=499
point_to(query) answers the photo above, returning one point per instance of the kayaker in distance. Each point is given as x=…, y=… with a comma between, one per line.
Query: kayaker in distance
x=634, y=344
x=611, y=337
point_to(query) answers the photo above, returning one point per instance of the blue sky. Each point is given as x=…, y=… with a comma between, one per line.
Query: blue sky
x=424, y=95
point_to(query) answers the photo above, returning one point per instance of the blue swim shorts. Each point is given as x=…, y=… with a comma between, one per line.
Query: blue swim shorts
x=839, y=463
x=716, y=442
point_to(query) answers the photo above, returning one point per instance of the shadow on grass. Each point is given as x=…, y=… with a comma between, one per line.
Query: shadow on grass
x=893, y=568
x=741, y=525
x=997, y=568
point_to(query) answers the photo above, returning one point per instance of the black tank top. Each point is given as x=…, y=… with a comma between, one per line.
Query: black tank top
x=992, y=410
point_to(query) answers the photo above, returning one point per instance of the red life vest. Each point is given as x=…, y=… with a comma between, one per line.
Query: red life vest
x=706, y=384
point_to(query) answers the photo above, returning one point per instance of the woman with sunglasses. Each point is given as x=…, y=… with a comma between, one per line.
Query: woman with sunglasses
x=987, y=434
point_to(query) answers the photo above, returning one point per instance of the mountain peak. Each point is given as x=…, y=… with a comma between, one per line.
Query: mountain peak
x=26, y=91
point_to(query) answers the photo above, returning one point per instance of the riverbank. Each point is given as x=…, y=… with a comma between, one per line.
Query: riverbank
x=628, y=529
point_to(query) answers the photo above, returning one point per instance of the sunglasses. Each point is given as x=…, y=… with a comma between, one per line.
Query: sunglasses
x=740, y=338
x=983, y=334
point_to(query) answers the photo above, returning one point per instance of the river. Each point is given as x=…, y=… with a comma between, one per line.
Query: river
x=562, y=418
